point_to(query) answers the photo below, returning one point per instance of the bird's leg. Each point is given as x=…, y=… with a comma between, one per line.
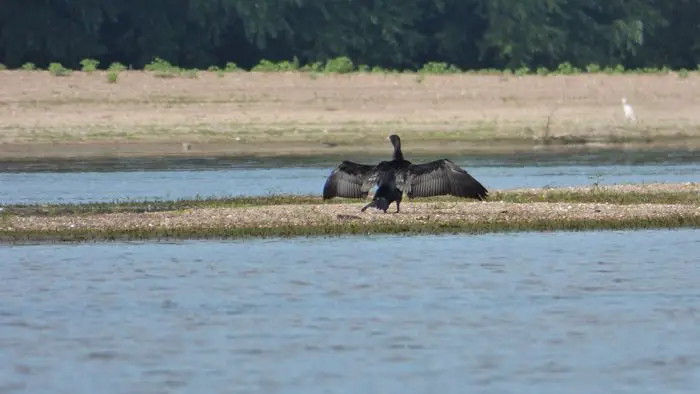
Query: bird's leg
x=387, y=207
x=397, y=206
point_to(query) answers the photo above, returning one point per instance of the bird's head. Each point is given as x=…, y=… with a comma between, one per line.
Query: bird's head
x=394, y=139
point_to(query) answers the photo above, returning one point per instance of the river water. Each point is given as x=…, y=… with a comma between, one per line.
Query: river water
x=134, y=179
x=589, y=312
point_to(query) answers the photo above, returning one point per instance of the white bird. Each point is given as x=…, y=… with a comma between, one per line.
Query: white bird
x=629, y=112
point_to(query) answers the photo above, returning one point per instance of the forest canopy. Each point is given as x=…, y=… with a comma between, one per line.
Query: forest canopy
x=399, y=34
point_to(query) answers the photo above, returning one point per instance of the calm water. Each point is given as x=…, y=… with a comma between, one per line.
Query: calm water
x=162, y=179
x=608, y=312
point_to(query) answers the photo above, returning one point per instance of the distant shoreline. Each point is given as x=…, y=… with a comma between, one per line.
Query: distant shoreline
x=293, y=114
x=29, y=152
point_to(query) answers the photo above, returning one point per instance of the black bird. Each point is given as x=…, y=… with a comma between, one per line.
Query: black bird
x=398, y=176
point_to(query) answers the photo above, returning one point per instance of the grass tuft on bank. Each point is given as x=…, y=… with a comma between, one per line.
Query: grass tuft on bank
x=335, y=228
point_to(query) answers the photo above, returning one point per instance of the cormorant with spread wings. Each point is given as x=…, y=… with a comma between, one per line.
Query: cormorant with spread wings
x=398, y=176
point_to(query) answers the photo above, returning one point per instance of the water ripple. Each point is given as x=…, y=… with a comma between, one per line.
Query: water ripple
x=535, y=313
x=173, y=183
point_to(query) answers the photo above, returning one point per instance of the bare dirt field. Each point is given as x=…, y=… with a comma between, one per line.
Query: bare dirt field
x=244, y=113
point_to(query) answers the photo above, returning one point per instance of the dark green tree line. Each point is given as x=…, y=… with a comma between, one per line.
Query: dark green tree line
x=403, y=34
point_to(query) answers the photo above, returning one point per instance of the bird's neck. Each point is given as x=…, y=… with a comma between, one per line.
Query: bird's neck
x=397, y=153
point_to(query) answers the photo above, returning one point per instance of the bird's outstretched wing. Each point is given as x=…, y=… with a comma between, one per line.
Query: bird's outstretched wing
x=348, y=180
x=439, y=177
x=382, y=172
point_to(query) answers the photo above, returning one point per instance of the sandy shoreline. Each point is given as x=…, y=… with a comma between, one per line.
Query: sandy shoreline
x=295, y=114
x=308, y=215
x=345, y=219
x=645, y=206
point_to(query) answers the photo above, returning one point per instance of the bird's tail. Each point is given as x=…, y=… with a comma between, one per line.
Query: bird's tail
x=379, y=203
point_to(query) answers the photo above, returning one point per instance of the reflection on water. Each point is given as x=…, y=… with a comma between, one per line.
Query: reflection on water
x=533, y=313
x=212, y=178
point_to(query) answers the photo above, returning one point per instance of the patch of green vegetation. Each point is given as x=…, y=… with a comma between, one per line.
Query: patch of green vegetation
x=438, y=68
x=3, y=67
x=349, y=227
x=158, y=205
x=192, y=73
x=162, y=68
x=218, y=71
x=600, y=195
x=57, y=70
x=28, y=67
x=112, y=76
x=593, y=194
x=231, y=67
x=283, y=66
x=315, y=68
x=116, y=67
x=339, y=65
x=344, y=65
x=89, y=65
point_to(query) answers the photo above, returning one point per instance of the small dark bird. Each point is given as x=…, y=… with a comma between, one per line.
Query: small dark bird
x=398, y=176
